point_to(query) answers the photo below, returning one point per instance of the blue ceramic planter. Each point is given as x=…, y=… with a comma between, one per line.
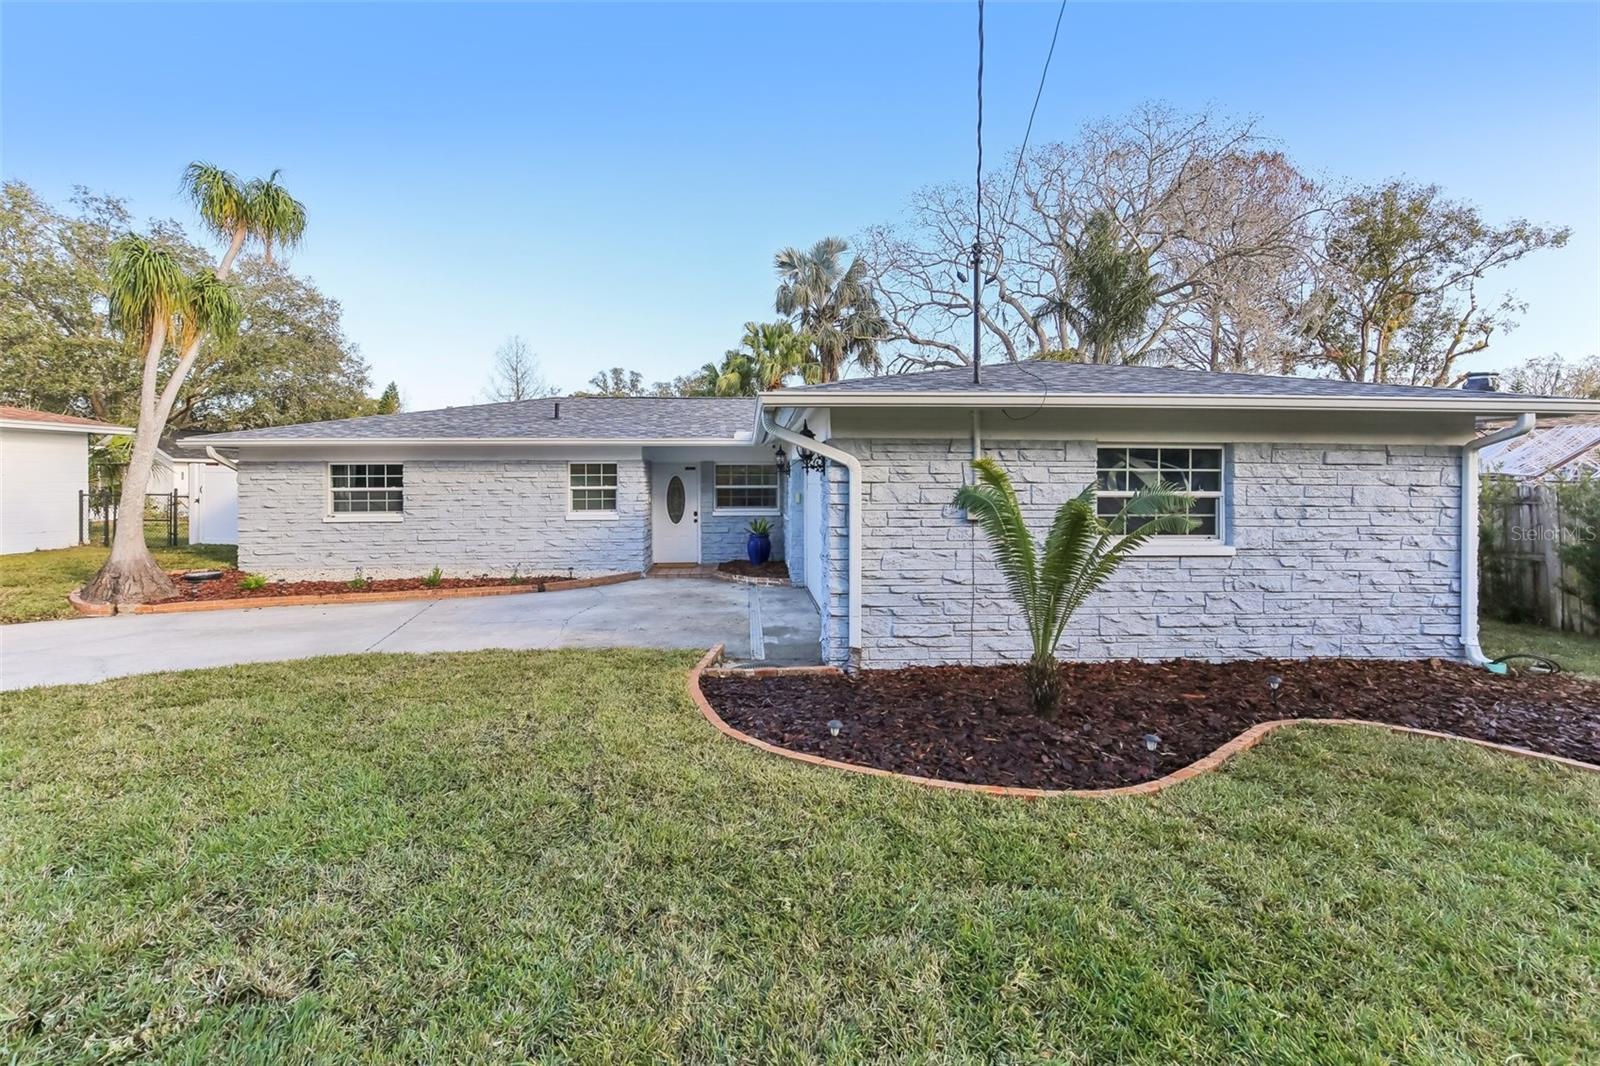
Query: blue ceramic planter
x=758, y=548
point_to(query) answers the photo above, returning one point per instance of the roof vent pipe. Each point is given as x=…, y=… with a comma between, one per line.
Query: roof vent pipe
x=1481, y=381
x=557, y=415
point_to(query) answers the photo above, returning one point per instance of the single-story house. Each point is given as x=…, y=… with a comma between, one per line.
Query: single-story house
x=1335, y=518
x=44, y=474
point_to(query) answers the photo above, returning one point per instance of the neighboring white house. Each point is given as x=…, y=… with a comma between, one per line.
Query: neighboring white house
x=1334, y=518
x=44, y=467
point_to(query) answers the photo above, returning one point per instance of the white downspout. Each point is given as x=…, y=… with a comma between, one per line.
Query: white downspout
x=213, y=453
x=1469, y=532
x=853, y=465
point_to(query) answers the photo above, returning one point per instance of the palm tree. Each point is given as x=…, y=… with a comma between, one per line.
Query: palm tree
x=1082, y=550
x=769, y=354
x=183, y=310
x=1108, y=294
x=236, y=211
x=151, y=298
x=833, y=304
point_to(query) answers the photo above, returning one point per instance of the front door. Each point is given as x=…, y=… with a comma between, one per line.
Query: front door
x=675, y=522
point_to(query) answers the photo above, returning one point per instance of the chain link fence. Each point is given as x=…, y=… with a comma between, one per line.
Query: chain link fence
x=165, y=516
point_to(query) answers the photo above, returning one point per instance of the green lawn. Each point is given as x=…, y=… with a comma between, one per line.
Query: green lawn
x=1577, y=654
x=34, y=585
x=550, y=856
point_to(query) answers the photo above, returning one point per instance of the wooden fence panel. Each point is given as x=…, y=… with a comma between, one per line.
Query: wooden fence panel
x=1522, y=577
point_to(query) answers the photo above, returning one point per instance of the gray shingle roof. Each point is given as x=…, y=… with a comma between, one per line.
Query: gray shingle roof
x=1095, y=379
x=582, y=418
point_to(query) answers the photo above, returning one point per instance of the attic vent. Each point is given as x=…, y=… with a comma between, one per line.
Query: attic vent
x=1482, y=381
x=558, y=410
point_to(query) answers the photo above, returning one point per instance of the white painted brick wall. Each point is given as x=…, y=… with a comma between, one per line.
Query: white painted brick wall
x=723, y=536
x=467, y=517
x=1342, y=550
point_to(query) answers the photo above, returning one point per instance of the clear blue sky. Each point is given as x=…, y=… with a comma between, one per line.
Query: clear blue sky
x=611, y=181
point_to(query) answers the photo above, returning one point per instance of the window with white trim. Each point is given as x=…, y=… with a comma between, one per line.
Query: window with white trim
x=366, y=488
x=746, y=487
x=592, y=487
x=1196, y=472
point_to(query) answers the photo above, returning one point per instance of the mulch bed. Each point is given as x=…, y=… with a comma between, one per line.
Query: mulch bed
x=971, y=724
x=776, y=569
x=227, y=587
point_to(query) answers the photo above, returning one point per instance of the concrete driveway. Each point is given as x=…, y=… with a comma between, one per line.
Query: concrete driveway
x=768, y=625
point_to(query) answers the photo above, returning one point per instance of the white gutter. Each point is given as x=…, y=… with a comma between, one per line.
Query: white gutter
x=1500, y=405
x=1469, y=532
x=224, y=441
x=213, y=454
x=853, y=465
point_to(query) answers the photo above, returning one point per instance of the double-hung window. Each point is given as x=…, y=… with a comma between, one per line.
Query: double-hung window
x=366, y=489
x=742, y=487
x=1195, y=472
x=592, y=489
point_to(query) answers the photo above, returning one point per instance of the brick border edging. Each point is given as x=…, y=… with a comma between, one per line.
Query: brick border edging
x=93, y=610
x=1243, y=742
x=101, y=610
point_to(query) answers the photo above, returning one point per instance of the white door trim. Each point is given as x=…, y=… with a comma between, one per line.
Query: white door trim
x=672, y=542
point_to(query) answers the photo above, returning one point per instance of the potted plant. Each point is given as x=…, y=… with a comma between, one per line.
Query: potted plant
x=758, y=545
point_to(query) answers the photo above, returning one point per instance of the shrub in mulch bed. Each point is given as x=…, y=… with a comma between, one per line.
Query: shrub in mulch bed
x=972, y=724
x=229, y=587
x=776, y=569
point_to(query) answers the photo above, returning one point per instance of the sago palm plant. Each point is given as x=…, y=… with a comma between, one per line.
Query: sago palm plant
x=1050, y=581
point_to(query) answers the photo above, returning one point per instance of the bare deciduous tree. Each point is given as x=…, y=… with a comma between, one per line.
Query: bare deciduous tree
x=515, y=373
x=1207, y=203
x=1551, y=375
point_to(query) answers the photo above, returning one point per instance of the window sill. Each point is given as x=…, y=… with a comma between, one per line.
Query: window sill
x=380, y=517
x=1162, y=547
x=592, y=516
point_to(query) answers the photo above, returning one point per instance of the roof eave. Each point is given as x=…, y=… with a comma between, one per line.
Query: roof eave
x=223, y=441
x=65, y=427
x=1480, y=404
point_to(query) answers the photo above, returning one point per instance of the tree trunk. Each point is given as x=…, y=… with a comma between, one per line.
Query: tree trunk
x=131, y=574
x=1043, y=676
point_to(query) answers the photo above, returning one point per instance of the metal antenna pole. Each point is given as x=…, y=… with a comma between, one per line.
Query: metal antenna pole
x=977, y=325
x=977, y=224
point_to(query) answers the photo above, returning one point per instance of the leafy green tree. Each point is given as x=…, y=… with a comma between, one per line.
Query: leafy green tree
x=616, y=382
x=833, y=305
x=1397, y=299
x=154, y=300
x=290, y=361
x=1579, y=507
x=389, y=402
x=1050, y=581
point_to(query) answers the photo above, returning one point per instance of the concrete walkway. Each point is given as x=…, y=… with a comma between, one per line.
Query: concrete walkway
x=776, y=626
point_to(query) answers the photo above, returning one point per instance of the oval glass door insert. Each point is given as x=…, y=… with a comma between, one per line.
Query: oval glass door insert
x=675, y=499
